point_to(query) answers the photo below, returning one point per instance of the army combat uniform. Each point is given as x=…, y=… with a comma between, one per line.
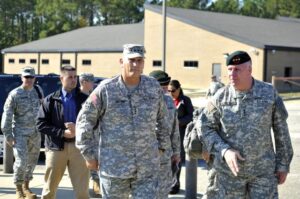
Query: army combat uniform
x=165, y=174
x=214, y=87
x=18, y=122
x=133, y=127
x=243, y=121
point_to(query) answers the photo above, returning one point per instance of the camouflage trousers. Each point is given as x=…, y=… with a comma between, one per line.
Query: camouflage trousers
x=118, y=188
x=229, y=187
x=26, y=152
x=164, y=180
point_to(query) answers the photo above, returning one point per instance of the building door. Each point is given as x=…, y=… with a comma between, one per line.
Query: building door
x=216, y=70
x=288, y=71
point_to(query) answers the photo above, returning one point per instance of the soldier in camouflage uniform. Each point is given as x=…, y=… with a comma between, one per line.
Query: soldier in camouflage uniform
x=86, y=81
x=172, y=155
x=18, y=126
x=214, y=86
x=134, y=130
x=236, y=127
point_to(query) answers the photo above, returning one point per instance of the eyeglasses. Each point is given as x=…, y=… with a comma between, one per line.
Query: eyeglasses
x=29, y=77
x=172, y=91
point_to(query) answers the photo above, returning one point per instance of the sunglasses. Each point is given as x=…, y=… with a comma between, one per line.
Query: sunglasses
x=172, y=91
x=29, y=77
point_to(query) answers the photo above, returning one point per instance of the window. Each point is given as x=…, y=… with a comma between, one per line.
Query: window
x=156, y=63
x=66, y=61
x=45, y=61
x=86, y=62
x=193, y=64
x=11, y=61
x=288, y=71
x=21, y=61
x=33, y=61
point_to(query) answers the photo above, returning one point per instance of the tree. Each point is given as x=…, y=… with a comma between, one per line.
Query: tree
x=225, y=6
x=289, y=8
x=121, y=11
x=260, y=8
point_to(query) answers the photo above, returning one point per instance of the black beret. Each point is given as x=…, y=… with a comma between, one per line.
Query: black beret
x=237, y=58
x=161, y=76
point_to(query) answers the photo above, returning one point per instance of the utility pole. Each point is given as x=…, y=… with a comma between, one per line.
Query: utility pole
x=164, y=11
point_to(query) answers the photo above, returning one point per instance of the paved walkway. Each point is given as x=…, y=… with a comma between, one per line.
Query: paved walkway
x=65, y=191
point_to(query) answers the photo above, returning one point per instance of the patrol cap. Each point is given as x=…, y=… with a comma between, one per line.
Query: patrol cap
x=237, y=58
x=28, y=71
x=161, y=76
x=133, y=50
x=89, y=77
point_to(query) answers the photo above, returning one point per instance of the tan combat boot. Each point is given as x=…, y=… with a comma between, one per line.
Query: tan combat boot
x=96, y=188
x=19, y=192
x=27, y=192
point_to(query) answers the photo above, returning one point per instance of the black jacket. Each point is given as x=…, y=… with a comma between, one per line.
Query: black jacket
x=50, y=120
x=185, y=112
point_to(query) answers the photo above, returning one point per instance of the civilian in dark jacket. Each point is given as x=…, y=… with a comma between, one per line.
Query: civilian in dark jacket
x=185, y=115
x=56, y=119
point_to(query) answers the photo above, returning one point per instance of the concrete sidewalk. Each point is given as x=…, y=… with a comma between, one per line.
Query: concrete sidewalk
x=65, y=191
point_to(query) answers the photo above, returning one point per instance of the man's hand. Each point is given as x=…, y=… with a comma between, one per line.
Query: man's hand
x=281, y=176
x=92, y=165
x=70, y=131
x=69, y=134
x=175, y=159
x=231, y=157
x=11, y=142
x=70, y=126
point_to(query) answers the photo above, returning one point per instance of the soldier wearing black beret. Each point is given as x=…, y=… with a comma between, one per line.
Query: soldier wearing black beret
x=236, y=128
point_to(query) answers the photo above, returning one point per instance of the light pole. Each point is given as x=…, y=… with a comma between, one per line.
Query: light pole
x=164, y=11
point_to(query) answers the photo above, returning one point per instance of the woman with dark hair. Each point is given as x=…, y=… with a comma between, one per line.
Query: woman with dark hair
x=185, y=115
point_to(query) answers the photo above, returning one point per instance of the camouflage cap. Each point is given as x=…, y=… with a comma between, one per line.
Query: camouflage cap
x=28, y=71
x=86, y=77
x=237, y=58
x=161, y=76
x=133, y=50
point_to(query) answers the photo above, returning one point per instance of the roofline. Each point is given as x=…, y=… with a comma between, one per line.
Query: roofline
x=211, y=29
x=285, y=48
x=9, y=50
x=64, y=51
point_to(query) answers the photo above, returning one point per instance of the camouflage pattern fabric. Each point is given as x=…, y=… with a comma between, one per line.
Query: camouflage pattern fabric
x=214, y=87
x=230, y=187
x=165, y=173
x=26, y=152
x=18, y=122
x=133, y=127
x=243, y=121
x=117, y=188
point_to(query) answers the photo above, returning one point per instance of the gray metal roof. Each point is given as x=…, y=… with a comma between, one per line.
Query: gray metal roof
x=253, y=31
x=89, y=39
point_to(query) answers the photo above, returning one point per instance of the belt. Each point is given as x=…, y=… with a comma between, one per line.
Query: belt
x=69, y=139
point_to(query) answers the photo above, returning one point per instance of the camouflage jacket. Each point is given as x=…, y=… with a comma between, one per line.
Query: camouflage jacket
x=20, y=110
x=174, y=134
x=133, y=126
x=243, y=121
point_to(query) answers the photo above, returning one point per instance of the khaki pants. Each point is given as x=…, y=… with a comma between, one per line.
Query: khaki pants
x=56, y=163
